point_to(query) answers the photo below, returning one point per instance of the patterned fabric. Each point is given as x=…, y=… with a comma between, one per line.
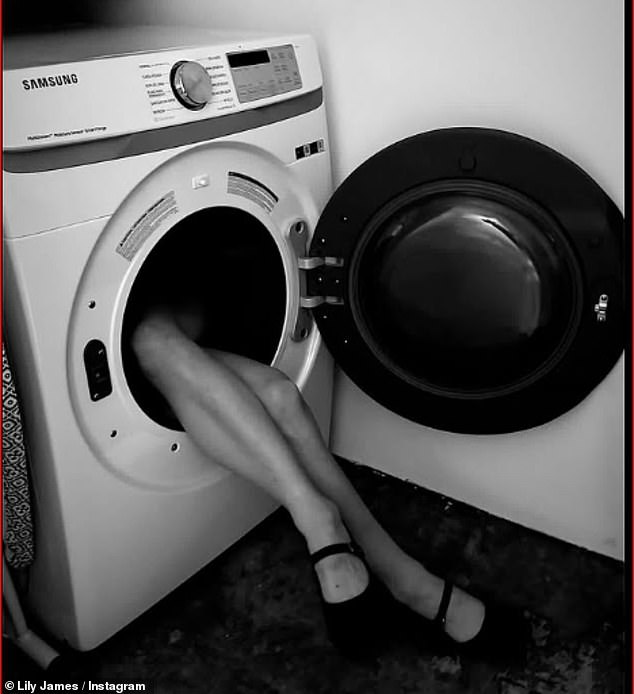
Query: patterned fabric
x=18, y=522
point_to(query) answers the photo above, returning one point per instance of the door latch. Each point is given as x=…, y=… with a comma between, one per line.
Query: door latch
x=601, y=308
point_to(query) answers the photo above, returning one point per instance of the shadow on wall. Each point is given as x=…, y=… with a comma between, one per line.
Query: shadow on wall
x=21, y=17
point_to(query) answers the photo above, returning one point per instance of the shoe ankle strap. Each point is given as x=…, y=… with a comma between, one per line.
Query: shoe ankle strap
x=441, y=616
x=337, y=548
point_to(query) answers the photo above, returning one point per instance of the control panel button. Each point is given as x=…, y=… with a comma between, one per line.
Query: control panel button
x=191, y=84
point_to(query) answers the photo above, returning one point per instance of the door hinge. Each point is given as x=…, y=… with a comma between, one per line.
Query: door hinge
x=298, y=237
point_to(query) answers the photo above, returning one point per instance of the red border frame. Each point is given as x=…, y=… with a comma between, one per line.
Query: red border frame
x=629, y=126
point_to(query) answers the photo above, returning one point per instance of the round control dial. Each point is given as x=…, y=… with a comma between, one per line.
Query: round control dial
x=191, y=84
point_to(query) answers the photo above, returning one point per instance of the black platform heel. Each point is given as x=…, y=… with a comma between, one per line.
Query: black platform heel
x=354, y=626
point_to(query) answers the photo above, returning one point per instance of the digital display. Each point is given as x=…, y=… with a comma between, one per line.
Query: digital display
x=265, y=72
x=248, y=59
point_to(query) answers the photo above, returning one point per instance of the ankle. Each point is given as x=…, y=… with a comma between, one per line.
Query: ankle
x=320, y=523
x=418, y=589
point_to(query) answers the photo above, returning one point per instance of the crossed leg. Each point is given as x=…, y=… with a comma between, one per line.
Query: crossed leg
x=228, y=422
x=214, y=394
x=405, y=577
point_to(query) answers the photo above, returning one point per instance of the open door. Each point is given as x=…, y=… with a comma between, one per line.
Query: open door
x=471, y=280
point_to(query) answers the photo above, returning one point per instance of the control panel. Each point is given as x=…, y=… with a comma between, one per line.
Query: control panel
x=116, y=94
x=220, y=78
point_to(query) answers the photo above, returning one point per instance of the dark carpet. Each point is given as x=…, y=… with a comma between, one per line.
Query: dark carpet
x=250, y=622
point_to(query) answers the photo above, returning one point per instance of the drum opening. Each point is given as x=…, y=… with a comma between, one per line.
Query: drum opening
x=225, y=263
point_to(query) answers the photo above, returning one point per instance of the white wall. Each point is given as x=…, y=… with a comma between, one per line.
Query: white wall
x=550, y=69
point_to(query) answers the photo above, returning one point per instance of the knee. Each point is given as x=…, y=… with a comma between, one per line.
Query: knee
x=282, y=397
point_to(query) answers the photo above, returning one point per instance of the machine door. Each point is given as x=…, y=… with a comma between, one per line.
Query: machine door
x=471, y=280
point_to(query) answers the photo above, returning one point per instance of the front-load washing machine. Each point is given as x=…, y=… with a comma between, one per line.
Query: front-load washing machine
x=143, y=164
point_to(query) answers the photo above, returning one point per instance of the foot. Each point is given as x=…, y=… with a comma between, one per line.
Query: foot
x=502, y=637
x=465, y=616
x=341, y=576
x=422, y=593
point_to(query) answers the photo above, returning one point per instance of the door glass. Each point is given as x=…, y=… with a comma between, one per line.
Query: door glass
x=462, y=293
x=225, y=262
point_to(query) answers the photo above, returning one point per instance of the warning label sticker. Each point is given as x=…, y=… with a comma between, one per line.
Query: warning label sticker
x=146, y=225
x=250, y=188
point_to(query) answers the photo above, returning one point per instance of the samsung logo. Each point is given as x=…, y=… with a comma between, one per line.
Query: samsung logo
x=53, y=81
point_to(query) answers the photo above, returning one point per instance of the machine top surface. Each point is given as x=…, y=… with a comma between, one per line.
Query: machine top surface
x=77, y=44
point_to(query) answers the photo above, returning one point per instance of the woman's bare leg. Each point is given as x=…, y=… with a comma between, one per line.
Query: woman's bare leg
x=231, y=426
x=406, y=578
